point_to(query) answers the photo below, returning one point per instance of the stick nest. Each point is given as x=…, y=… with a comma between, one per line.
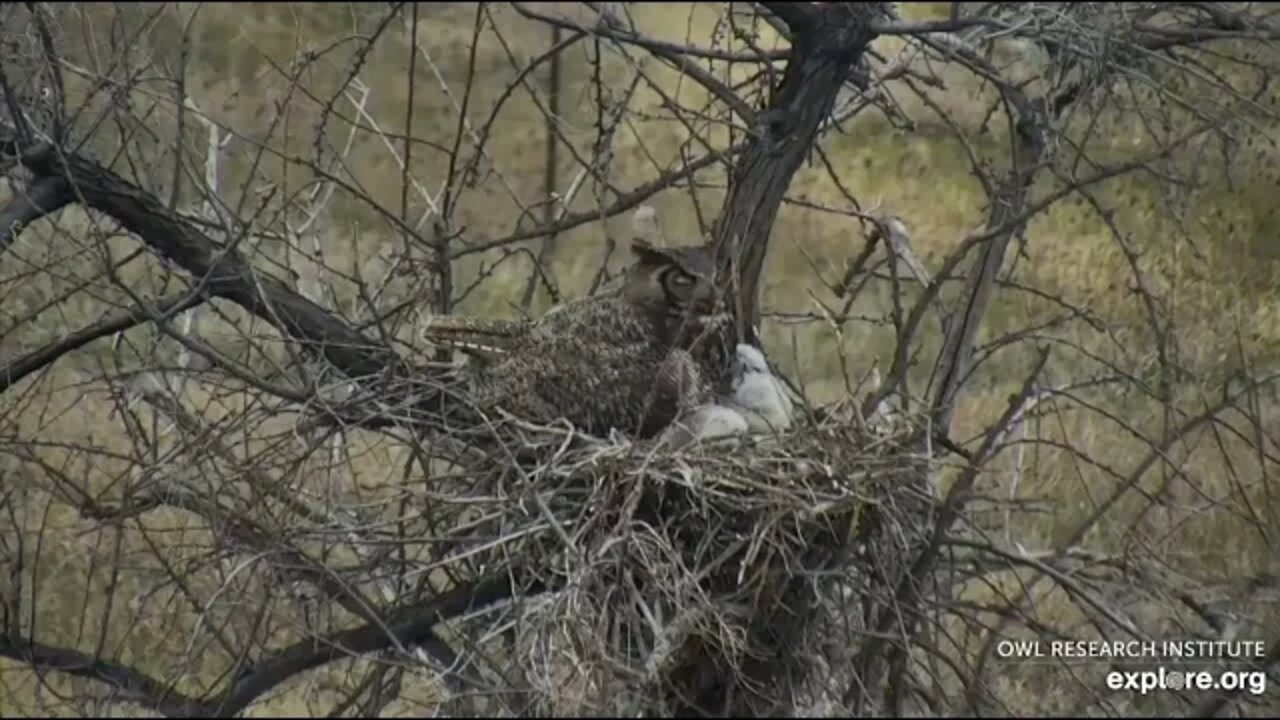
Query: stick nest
x=707, y=580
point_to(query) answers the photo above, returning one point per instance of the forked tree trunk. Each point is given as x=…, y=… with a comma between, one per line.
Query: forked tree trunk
x=827, y=40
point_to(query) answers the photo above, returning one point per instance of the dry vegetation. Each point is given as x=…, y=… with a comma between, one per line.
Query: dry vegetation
x=191, y=498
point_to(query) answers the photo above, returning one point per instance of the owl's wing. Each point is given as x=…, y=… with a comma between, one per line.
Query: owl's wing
x=666, y=387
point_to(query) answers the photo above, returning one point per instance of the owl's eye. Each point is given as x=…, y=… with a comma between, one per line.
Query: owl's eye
x=681, y=279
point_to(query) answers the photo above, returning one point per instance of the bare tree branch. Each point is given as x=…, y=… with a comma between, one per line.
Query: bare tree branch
x=45, y=196
x=821, y=56
x=15, y=370
x=220, y=272
x=408, y=625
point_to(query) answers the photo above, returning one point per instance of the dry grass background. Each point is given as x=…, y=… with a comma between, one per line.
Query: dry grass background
x=1218, y=281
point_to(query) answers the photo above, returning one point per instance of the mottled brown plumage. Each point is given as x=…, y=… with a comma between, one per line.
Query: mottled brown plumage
x=629, y=359
x=485, y=339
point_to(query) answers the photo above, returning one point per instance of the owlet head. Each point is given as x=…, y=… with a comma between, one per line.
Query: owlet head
x=750, y=359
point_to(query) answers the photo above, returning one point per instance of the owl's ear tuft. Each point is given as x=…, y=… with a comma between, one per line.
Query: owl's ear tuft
x=646, y=252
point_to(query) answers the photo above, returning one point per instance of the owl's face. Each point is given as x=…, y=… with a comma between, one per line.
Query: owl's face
x=676, y=282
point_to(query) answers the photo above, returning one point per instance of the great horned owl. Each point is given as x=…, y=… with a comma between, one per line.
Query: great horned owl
x=757, y=404
x=630, y=359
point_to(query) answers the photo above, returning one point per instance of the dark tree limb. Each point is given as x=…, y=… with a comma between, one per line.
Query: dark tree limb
x=799, y=17
x=826, y=43
x=129, y=683
x=43, y=197
x=408, y=625
x=1031, y=125
x=15, y=370
x=219, y=271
